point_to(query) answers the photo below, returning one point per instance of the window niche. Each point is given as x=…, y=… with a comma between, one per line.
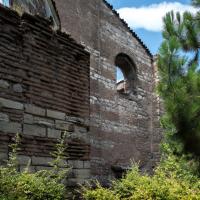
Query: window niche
x=43, y=8
x=126, y=75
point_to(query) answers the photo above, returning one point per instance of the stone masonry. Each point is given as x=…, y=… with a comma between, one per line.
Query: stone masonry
x=49, y=84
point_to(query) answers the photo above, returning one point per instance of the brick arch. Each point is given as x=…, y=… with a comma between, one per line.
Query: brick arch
x=129, y=70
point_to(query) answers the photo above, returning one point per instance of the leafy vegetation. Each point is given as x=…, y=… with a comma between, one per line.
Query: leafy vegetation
x=173, y=179
x=45, y=184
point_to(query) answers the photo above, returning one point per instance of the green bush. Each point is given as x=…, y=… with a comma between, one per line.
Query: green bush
x=173, y=179
x=42, y=185
x=99, y=193
x=27, y=186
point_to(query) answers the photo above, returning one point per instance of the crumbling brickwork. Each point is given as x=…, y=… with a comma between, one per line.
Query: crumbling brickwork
x=44, y=90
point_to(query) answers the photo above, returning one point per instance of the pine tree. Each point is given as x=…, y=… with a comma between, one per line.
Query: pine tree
x=179, y=87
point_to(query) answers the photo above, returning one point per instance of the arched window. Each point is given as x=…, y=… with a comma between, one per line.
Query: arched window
x=44, y=8
x=125, y=74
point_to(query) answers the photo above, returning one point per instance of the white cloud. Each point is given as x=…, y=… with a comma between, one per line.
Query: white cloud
x=150, y=17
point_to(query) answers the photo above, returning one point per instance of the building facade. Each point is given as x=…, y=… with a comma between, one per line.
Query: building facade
x=50, y=83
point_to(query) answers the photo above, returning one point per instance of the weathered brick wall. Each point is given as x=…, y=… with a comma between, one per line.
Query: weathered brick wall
x=49, y=69
x=44, y=90
x=121, y=127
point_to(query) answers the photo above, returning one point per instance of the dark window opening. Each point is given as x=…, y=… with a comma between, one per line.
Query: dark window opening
x=44, y=8
x=125, y=74
x=119, y=171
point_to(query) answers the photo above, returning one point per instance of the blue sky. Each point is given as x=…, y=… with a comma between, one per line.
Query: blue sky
x=138, y=3
x=144, y=17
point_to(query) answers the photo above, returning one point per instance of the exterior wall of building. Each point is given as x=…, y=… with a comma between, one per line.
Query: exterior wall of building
x=44, y=90
x=49, y=84
x=121, y=126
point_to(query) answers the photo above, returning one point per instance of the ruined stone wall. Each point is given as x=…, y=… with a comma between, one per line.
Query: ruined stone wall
x=121, y=127
x=44, y=90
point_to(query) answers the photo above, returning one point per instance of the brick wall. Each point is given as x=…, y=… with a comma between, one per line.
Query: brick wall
x=121, y=126
x=44, y=90
x=45, y=68
x=46, y=82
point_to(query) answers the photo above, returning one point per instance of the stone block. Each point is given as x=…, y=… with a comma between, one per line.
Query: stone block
x=80, y=129
x=82, y=173
x=86, y=164
x=53, y=133
x=38, y=168
x=10, y=127
x=76, y=164
x=4, y=117
x=17, y=88
x=64, y=126
x=4, y=84
x=41, y=161
x=23, y=160
x=11, y=104
x=28, y=119
x=34, y=130
x=31, y=169
x=3, y=156
x=32, y=109
x=43, y=121
x=55, y=114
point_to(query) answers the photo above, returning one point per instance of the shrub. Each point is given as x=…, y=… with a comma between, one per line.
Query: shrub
x=27, y=186
x=99, y=193
x=173, y=179
x=42, y=185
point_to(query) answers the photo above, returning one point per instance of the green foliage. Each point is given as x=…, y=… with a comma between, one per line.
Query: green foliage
x=59, y=156
x=45, y=184
x=12, y=162
x=196, y=3
x=99, y=193
x=173, y=179
x=27, y=186
x=179, y=84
